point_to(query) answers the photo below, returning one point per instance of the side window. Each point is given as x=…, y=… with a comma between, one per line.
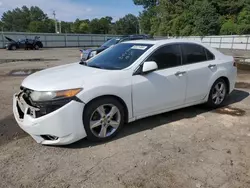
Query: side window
x=210, y=56
x=167, y=56
x=193, y=53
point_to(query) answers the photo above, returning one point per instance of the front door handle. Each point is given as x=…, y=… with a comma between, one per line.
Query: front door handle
x=179, y=73
x=211, y=66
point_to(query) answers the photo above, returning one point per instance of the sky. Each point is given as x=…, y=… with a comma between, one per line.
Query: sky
x=69, y=10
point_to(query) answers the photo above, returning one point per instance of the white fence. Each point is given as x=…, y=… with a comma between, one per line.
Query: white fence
x=239, y=42
x=58, y=40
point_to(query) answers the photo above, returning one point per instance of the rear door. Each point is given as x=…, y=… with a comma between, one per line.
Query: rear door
x=200, y=66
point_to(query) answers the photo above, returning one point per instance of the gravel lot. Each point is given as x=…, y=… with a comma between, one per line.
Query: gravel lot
x=190, y=148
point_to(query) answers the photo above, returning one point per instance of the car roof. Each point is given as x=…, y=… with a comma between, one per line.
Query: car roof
x=162, y=41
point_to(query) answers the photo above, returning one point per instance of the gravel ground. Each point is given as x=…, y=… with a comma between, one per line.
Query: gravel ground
x=192, y=147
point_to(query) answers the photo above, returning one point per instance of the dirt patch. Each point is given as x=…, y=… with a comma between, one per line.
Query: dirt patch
x=30, y=59
x=242, y=85
x=9, y=130
x=22, y=72
x=230, y=111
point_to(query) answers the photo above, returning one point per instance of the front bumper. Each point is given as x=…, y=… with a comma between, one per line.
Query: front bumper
x=64, y=124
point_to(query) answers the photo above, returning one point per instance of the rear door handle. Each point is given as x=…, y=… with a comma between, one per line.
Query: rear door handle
x=211, y=66
x=179, y=73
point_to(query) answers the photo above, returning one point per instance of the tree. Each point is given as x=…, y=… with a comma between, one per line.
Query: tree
x=146, y=3
x=36, y=26
x=146, y=20
x=127, y=25
x=1, y=26
x=36, y=14
x=84, y=27
x=49, y=26
x=195, y=17
x=66, y=27
x=244, y=16
x=229, y=28
x=19, y=19
x=205, y=19
x=100, y=26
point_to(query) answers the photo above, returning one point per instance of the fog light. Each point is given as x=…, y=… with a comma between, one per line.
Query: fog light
x=49, y=137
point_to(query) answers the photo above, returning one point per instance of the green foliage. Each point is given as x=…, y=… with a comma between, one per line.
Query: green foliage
x=1, y=25
x=159, y=17
x=127, y=25
x=33, y=19
x=244, y=16
x=146, y=3
x=206, y=19
x=229, y=28
x=20, y=18
x=195, y=17
x=84, y=27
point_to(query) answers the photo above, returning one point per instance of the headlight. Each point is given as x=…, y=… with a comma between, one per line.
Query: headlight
x=92, y=54
x=39, y=96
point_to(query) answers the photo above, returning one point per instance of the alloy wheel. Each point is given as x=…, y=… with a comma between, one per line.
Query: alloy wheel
x=219, y=93
x=105, y=120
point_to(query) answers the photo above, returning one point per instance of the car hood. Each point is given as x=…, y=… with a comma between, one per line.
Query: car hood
x=61, y=78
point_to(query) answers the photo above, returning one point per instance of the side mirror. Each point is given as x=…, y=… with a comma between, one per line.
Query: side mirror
x=149, y=66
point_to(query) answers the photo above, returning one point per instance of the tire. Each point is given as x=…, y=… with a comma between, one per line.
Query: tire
x=13, y=47
x=36, y=47
x=217, y=95
x=97, y=118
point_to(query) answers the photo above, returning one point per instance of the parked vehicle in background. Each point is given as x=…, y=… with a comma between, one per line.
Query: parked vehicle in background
x=129, y=81
x=89, y=53
x=26, y=44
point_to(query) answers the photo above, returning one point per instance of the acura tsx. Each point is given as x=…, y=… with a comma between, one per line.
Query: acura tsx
x=124, y=83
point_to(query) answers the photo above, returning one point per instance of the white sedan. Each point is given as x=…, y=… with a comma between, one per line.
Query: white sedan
x=129, y=81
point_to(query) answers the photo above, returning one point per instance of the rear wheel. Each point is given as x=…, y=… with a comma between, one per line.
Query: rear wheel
x=217, y=94
x=103, y=118
x=36, y=47
x=13, y=47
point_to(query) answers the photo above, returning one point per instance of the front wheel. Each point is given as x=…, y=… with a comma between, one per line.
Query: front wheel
x=217, y=93
x=103, y=118
x=13, y=47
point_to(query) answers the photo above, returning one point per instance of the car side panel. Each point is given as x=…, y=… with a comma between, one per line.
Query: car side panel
x=115, y=87
x=224, y=69
x=198, y=75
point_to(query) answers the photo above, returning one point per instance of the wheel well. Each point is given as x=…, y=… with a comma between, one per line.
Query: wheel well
x=227, y=83
x=115, y=97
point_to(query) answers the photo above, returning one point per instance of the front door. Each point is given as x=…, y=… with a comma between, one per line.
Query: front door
x=162, y=89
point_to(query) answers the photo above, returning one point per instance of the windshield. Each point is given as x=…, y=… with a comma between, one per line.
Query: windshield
x=119, y=57
x=111, y=42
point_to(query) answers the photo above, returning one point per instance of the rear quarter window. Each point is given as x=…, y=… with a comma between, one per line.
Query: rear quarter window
x=210, y=55
x=193, y=53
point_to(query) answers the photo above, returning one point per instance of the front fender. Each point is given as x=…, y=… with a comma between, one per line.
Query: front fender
x=122, y=92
